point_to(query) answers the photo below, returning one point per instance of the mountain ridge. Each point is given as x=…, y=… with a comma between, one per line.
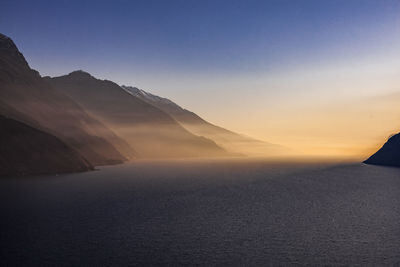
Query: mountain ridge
x=151, y=131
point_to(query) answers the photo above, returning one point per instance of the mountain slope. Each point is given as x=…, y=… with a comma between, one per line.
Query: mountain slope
x=25, y=150
x=152, y=132
x=229, y=140
x=389, y=154
x=40, y=105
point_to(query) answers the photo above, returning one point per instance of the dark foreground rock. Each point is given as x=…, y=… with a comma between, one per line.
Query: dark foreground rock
x=25, y=150
x=389, y=154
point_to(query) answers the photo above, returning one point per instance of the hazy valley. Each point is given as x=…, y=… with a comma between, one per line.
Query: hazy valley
x=106, y=123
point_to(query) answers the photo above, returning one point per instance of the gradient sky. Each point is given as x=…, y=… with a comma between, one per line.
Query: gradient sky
x=319, y=76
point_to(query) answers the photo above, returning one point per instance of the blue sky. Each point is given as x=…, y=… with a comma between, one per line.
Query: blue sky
x=233, y=62
x=195, y=36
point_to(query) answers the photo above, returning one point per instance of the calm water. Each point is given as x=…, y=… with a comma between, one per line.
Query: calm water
x=204, y=213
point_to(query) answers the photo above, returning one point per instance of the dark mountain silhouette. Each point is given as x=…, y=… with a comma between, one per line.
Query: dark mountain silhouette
x=231, y=141
x=25, y=150
x=27, y=97
x=389, y=154
x=151, y=131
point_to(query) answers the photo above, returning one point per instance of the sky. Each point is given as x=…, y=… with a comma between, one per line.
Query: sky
x=322, y=77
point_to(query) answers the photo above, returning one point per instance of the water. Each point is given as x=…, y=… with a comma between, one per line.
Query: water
x=242, y=213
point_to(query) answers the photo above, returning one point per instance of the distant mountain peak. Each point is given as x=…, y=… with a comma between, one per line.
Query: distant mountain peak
x=80, y=74
x=148, y=96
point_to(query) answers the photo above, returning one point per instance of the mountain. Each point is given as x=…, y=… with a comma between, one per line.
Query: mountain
x=28, y=98
x=152, y=132
x=389, y=154
x=25, y=150
x=229, y=140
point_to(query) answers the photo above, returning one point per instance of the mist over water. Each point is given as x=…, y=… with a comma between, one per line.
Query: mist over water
x=205, y=212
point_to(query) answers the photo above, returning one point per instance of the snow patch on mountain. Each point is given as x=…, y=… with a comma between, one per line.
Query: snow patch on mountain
x=148, y=97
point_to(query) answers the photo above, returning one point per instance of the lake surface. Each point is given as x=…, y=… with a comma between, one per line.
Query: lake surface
x=222, y=212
